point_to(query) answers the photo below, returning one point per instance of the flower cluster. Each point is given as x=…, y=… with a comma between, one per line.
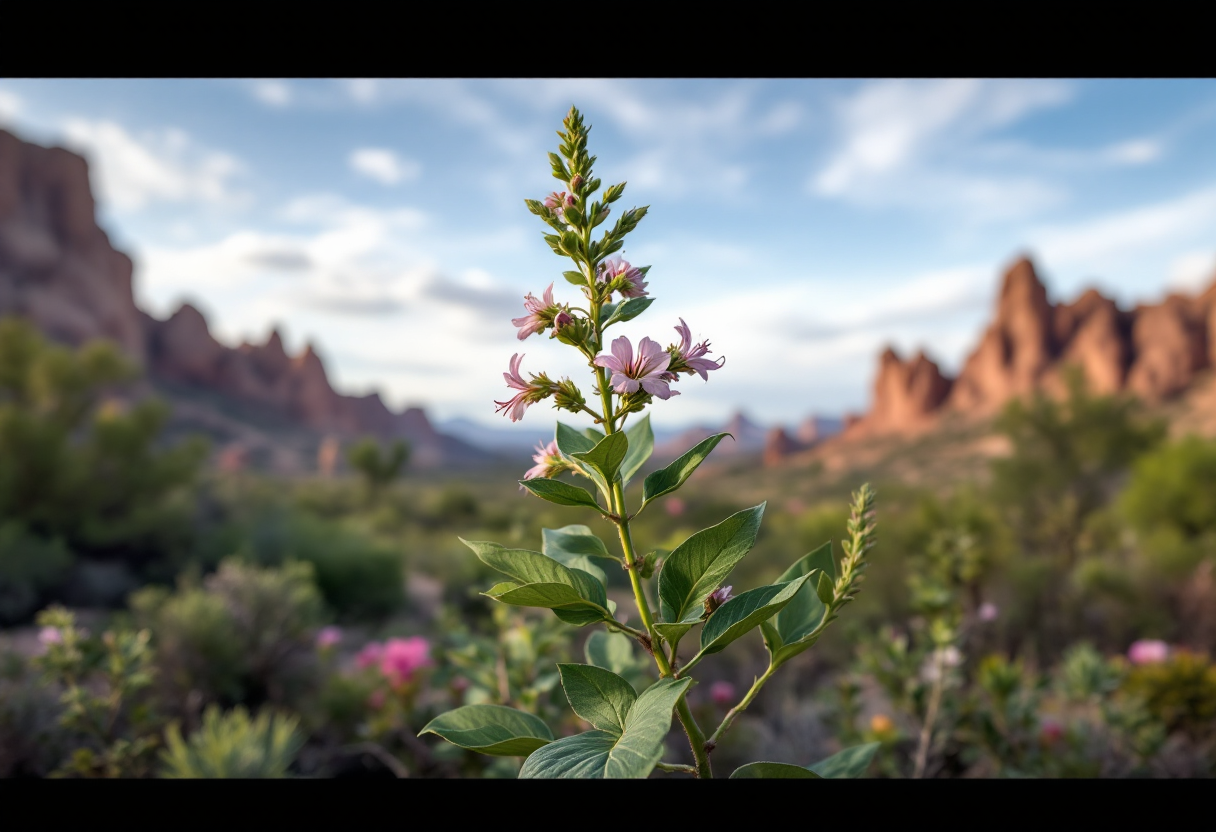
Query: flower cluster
x=398, y=658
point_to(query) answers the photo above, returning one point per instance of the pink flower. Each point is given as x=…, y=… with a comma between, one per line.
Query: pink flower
x=686, y=358
x=402, y=657
x=722, y=693
x=540, y=314
x=548, y=461
x=529, y=392
x=50, y=635
x=369, y=655
x=717, y=598
x=559, y=202
x=1051, y=732
x=620, y=276
x=988, y=611
x=646, y=371
x=675, y=506
x=328, y=637
x=1148, y=651
x=460, y=684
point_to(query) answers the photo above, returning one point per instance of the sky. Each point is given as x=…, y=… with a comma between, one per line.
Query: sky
x=798, y=225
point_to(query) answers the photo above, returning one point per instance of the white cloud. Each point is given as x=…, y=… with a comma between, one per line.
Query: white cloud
x=10, y=105
x=905, y=143
x=129, y=172
x=1193, y=271
x=275, y=92
x=384, y=166
x=1133, y=152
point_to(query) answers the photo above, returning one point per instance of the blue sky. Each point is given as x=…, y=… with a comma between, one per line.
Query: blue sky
x=800, y=225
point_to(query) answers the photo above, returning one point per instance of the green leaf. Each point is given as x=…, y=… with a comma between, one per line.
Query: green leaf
x=805, y=612
x=562, y=493
x=699, y=565
x=602, y=754
x=599, y=696
x=744, y=612
x=611, y=651
x=541, y=581
x=773, y=771
x=852, y=762
x=606, y=313
x=574, y=540
x=641, y=446
x=606, y=457
x=572, y=442
x=577, y=278
x=491, y=729
x=626, y=311
x=646, y=570
x=668, y=479
x=594, y=434
x=672, y=633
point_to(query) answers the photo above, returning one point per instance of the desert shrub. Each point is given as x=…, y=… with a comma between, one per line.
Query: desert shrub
x=1180, y=692
x=1170, y=500
x=31, y=740
x=81, y=470
x=378, y=468
x=29, y=566
x=244, y=635
x=233, y=745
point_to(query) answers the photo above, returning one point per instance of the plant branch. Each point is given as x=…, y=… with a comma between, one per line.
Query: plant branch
x=729, y=719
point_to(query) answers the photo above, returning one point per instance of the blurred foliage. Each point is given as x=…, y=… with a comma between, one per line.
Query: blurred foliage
x=378, y=468
x=1180, y=692
x=1170, y=501
x=233, y=745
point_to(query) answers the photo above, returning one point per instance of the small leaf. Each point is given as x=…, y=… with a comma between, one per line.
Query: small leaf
x=805, y=612
x=668, y=479
x=611, y=651
x=672, y=633
x=491, y=729
x=773, y=771
x=646, y=570
x=602, y=754
x=824, y=589
x=594, y=434
x=574, y=540
x=700, y=564
x=641, y=446
x=571, y=443
x=606, y=457
x=745, y=612
x=577, y=278
x=626, y=311
x=851, y=762
x=599, y=696
x=562, y=493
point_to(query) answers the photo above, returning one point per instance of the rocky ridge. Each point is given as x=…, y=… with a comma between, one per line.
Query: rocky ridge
x=59, y=270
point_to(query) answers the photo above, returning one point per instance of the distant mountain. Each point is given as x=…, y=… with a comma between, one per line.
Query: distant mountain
x=58, y=270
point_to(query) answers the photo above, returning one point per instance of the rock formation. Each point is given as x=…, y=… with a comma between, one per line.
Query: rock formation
x=1153, y=351
x=58, y=269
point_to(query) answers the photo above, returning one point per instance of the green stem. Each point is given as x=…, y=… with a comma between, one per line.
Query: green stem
x=696, y=739
x=742, y=706
x=675, y=767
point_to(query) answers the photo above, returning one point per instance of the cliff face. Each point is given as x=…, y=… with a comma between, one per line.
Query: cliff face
x=1153, y=351
x=58, y=270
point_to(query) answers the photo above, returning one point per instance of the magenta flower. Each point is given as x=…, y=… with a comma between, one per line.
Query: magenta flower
x=559, y=202
x=687, y=358
x=988, y=611
x=717, y=598
x=529, y=392
x=621, y=277
x=548, y=462
x=1148, y=651
x=403, y=657
x=540, y=314
x=722, y=693
x=369, y=655
x=1051, y=732
x=50, y=635
x=647, y=371
x=328, y=637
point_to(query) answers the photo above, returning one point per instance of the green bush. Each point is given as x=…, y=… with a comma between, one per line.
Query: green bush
x=1170, y=500
x=233, y=745
x=29, y=566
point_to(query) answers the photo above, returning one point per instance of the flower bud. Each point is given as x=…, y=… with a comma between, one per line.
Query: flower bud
x=567, y=396
x=716, y=599
x=576, y=182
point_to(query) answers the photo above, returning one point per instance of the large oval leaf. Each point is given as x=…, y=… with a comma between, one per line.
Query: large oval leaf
x=851, y=762
x=773, y=771
x=698, y=566
x=743, y=613
x=666, y=480
x=602, y=754
x=491, y=729
x=599, y=696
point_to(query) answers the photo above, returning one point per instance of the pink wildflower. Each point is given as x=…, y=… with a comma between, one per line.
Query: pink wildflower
x=559, y=202
x=675, y=506
x=540, y=314
x=687, y=358
x=548, y=461
x=402, y=657
x=529, y=392
x=620, y=276
x=50, y=635
x=646, y=371
x=1148, y=651
x=328, y=637
x=988, y=611
x=1051, y=732
x=722, y=693
x=369, y=655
